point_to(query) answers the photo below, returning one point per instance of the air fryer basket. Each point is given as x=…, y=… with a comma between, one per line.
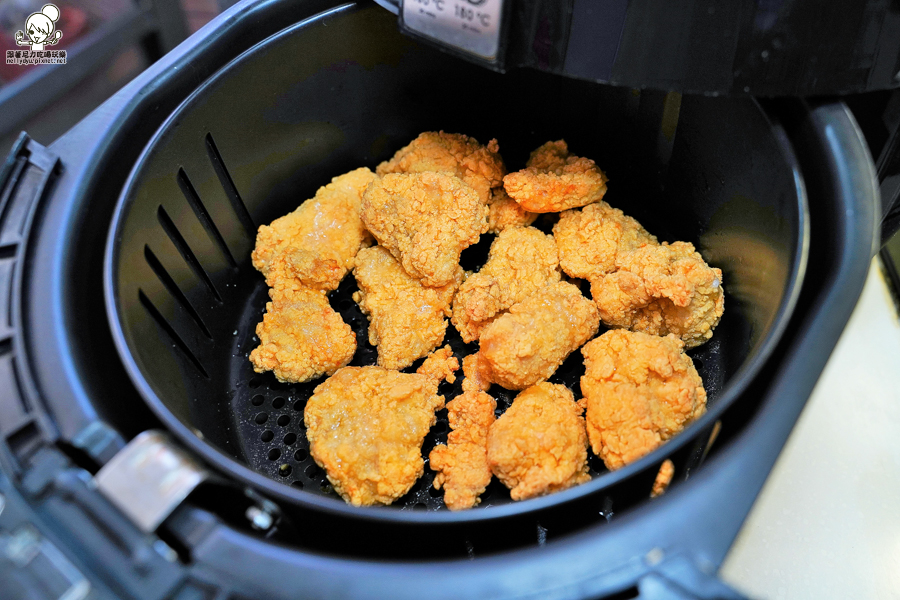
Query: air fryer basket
x=344, y=90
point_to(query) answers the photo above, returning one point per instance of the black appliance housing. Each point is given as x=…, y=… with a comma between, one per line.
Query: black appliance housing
x=763, y=48
x=68, y=404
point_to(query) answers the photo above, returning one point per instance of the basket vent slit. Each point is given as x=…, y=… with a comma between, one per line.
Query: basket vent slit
x=190, y=194
x=170, y=331
x=237, y=203
x=184, y=249
x=173, y=289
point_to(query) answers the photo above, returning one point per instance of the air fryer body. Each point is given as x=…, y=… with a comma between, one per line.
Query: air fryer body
x=764, y=48
x=70, y=405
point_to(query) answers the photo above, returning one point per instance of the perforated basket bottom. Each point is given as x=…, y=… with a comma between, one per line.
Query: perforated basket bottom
x=268, y=414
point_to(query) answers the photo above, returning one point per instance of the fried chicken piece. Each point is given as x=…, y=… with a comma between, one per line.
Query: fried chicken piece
x=590, y=239
x=528, y=343
x=406, y=319
x=505, y=212
x=639, y=391
x=660, y=290
x=638, y=283
x=425, y=220
x=521, y=261
x=539, y=446
x=453, y=154
x=663, y=478
x=365, y=427
x=315, y=245
x=554, y=180
x=300, y=336
x=440, y=364
x=461, y=464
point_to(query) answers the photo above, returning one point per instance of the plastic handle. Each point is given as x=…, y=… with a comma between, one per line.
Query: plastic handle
x=25, y=178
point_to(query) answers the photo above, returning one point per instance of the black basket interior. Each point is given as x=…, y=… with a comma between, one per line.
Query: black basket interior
x=344, y=91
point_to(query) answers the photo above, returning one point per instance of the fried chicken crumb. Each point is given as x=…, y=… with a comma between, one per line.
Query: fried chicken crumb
x=440, y=364
x=476, y=374
x=663, y=478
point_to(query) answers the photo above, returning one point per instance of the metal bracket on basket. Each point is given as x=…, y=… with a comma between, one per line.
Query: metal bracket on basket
x=149, y=478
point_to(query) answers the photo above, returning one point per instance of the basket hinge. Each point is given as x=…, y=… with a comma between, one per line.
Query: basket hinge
x=149, y=478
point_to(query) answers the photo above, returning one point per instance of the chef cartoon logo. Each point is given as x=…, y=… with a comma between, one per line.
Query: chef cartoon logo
x=40, y=31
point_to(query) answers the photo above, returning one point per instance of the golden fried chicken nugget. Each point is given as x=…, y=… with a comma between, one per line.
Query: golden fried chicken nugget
x=315, y=245
x=521, y=261
x=590, y=239
x=440, y=364
x=453, y=154
x=528, y=343
x=662, y=289
x=539, y=446
x=406, y=319
x=505, y=212
x=639, y=391
x=461, y=464
x=554, y=180
x=425, y=220
x=365, y=427
x=301, y=337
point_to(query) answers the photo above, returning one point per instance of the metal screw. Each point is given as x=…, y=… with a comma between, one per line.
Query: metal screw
x=259, y=518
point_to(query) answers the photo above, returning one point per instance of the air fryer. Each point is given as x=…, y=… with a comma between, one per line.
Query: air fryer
x=133, y=307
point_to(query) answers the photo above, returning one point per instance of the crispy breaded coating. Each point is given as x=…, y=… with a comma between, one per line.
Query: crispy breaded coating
x=406, y=319
x=663, y=478
x=660, y=290
x=636, y=282
x=521, y=261
x=315, y=245
x=538, y=446
x=590, y=239
x=528, y=343
x=639, y=391
x=300, y=336
x=453, y=154
x=554, y=180
x=476, y=373
x=461, y=464
x=426, y=220
x=440, y=364
x=365, y=427
x=505, y=212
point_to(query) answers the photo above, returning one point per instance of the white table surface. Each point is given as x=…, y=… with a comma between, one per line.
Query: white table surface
x=827, y=523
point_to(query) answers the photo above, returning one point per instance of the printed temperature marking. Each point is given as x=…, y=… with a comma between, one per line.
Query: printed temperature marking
x=469, y=25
